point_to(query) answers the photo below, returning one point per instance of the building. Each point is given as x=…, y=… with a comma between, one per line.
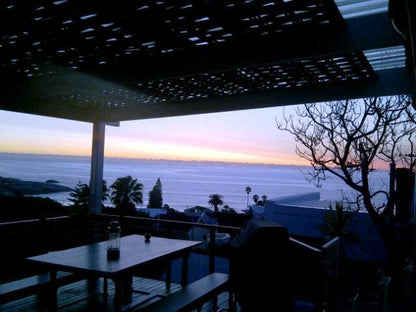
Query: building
x=203, y=233
x=257, y=212
x=152, y=212
x=197, y=211
x=303, y=214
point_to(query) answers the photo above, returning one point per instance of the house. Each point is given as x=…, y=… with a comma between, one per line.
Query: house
x=203, y=233
x=303, y=215
x=152, y=212
x=257, y=212
x=197, y=211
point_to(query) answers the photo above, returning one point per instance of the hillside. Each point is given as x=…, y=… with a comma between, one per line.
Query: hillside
x=12, y=187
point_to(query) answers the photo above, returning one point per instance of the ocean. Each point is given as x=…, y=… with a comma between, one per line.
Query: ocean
x=184, y=183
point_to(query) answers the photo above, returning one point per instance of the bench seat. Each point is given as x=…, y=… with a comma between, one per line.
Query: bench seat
x=192, y=296
x=32, y=285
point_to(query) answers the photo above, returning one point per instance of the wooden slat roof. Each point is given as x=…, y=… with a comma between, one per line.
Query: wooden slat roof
x=106, y=61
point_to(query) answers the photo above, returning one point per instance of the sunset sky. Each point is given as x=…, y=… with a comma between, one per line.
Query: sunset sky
x=240, y=136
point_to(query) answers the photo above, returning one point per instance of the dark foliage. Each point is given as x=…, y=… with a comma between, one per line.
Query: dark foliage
x=80, y=196
x=155, y=196
x=126, y=192
x=231, y=218
x=215, y=200
x=22, y=208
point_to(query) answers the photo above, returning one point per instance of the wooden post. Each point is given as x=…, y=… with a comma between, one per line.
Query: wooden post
x=211, y=249
x=414, y=223
x=97, y=167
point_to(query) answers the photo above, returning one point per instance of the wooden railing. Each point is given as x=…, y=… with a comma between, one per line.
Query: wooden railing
x=25, y=238
x=24, y=231
x=332, y=267
x=174, y=223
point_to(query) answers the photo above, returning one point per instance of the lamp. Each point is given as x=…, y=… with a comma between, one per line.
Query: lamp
x=113, y=243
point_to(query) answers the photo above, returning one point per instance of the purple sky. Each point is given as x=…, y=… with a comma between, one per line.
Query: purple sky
x=239, y=136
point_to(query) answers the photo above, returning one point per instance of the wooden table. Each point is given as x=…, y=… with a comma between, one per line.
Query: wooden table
x=91, y=261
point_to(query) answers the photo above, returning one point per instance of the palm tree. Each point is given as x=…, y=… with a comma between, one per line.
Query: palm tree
x=80, y=196
x=228, y=210
x=263, y=200
x=126, y=193
x=215, y=200
x=248, y=191
x=335, y=222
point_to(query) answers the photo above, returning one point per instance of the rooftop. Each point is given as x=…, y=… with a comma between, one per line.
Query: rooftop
x=303, y=215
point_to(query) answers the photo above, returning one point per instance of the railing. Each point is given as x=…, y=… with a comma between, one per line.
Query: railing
x=19, y=237
x=304, y=245
x=332, y=266
x=95, y=229
x=174, y=223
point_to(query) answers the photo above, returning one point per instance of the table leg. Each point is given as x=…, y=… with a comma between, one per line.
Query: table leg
x=105, y=287
x=123, y=291
x=128, y=289
x=54, y=290
x=93, y=291
x=47, y=298
x=118, y=293
x=184, y=281
x=168, y=274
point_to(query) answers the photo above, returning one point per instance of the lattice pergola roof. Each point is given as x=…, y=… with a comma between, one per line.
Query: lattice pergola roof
x=296, y=74
x=104, y=61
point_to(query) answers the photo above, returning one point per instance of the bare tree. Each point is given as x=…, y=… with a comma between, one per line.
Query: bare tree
x=349, y=139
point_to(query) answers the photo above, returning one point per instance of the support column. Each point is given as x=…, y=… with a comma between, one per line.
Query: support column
x=97, y=167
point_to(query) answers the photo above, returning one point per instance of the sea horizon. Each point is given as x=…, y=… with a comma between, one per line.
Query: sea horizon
x=185, y=183
x=159, y=159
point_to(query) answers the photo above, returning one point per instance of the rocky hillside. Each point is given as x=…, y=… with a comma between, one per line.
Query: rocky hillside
x=12, y=187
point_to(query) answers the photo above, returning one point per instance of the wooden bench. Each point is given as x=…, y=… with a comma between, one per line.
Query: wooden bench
x=192, y=296
x=37, y=284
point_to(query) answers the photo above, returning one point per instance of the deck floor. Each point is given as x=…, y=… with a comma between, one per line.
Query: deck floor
x=72, y=297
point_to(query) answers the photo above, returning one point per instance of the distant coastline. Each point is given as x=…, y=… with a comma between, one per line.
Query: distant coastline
x=158, y=159
x=13, y=187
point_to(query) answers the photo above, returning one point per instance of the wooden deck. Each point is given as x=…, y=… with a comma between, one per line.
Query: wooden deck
x=73, y=297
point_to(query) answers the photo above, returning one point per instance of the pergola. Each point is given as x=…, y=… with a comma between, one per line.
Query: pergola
x=104, y=62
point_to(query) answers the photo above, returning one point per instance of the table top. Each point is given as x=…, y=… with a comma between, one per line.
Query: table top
x=134, y=251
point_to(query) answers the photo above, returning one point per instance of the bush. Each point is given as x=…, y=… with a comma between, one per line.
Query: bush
x=23, y=208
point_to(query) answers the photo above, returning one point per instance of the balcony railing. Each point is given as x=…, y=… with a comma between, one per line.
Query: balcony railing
x=21, y=239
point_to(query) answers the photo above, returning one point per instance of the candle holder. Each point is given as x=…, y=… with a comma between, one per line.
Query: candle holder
x=113, y=243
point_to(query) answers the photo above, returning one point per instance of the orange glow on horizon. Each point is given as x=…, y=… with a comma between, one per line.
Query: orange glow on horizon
x=152, y=150
x=215, y=158
x=237, y=137
x=247, y=159
x=170, y=151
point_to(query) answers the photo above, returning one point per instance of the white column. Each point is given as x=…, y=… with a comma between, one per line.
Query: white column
x=97, y=167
